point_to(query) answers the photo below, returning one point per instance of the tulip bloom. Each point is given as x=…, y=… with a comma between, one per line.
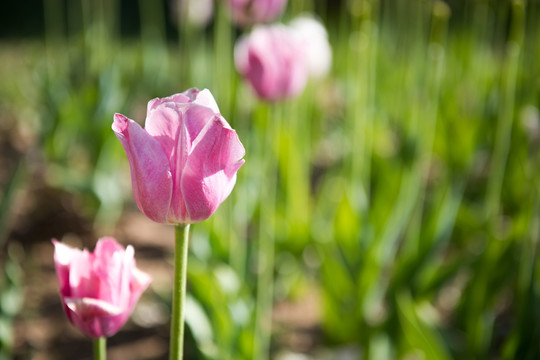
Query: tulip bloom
x=184, y=162
x=272, y=59
x=314, y=40
x=196, y=12
x=250, y=12
x=99, y=290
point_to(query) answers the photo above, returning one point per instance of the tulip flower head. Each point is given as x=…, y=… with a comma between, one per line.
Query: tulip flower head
x=272, y=59
x=184, y=162
x=314, y=40
x=196, y=12
x=250, y=12
x=99, y=290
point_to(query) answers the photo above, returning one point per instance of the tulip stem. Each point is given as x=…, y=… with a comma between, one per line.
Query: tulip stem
x=100, y=348
x=181, y=233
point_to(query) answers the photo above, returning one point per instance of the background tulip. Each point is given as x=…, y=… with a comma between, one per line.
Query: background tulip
x=184, y=162
x=196, y=12
x=99, y=290
x=249, y=12
x=271, y=58
x=314, y=38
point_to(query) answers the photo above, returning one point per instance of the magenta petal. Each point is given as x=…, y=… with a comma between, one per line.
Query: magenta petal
x=196, y=119
x=102, y=287
x=160, y=154
x=89, y=307
x=265, y=69
x=62, y=260
x=249, y=12
x=150, y=170
x=82, y=279
x=113, y=266
x=139, y=283
x=176, y=98
x=95, y=318
x=191, y=94
x=165, y=125
x=210, y=172
x=272, y=59
x=241, y=51
x=205, y=98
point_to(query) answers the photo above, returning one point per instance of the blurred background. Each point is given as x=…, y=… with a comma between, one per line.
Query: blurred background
x=390, y=211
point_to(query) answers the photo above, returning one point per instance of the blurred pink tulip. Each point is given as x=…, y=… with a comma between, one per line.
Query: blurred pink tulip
x=184, y=162
x=314, y=39
x=272, y=59
x=250, y=12
x=99, y=290
x=196, y=12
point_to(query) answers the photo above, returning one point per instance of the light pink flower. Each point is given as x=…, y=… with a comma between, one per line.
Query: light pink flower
x=184, y=162
x=314, y=39
x=250, y=12
x=272, y=59
x=99, y=290
x=196, y=12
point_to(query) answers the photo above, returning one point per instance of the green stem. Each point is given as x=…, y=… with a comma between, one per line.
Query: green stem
x=100, y=348
x=266, y=242
x=181, y=233
x=503, y=133
x=223, y=55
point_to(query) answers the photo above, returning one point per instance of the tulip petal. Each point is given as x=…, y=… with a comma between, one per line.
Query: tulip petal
x=176, y=98
x=210, y=171
x=94, y=317
x=264, y=70
x=241, y=52
x=82, y=279
x=166, y=126
x=175, y=126
x=113, y=265
x=90, y=307
x=273, y=61
x=205, y=98
x=139, y=283
x=150, y=170
x=104, y=286
x=196, y=118
x=62, y=260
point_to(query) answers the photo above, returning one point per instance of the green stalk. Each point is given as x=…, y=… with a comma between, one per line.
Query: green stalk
x=154, y=47
x=295, y=165
x=480, y=329
x=100, y=348
x=382, y=252
x=425, y=121
x=266, y=250
x=506, y=110
x=181, y=234
x=223, y=59
x=6, y=210
x=364, y=68
x=185, y=42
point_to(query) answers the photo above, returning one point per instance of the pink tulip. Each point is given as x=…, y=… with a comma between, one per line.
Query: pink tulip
x=250, y=12
x=184, y=162
x=314, y=39
x=99, y=290
x=196, y=12
x=273, y=61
